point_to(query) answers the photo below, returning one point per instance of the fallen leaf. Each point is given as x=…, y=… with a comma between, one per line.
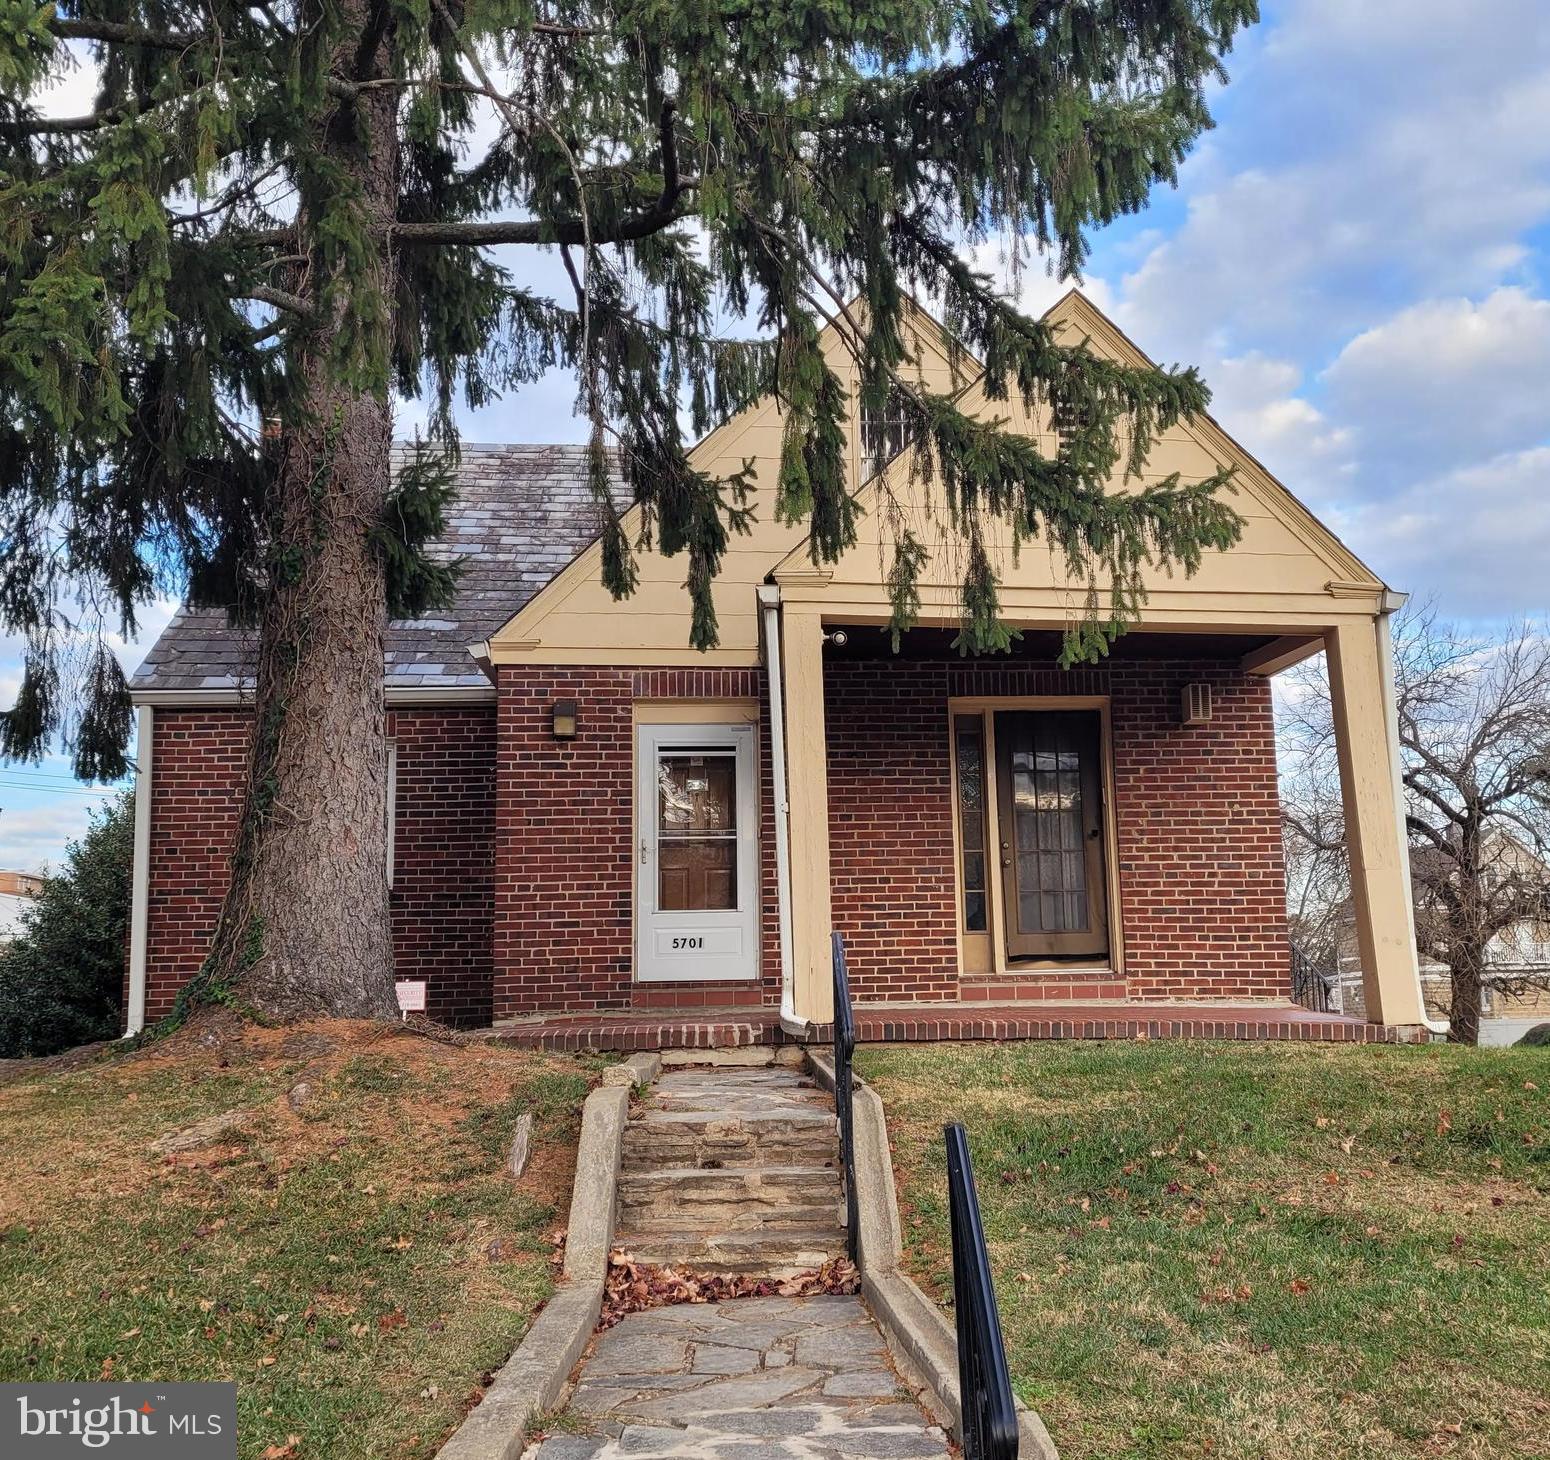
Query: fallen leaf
x=1299, y=1286
x=395, y=1319
x=1444, y=1122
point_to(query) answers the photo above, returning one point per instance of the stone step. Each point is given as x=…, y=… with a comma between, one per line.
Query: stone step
x=657, y=1141
x=748, y=1254
x=685, y=1188
x=746, y=1199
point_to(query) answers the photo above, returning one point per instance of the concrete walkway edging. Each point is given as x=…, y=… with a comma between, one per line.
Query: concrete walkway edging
x=635, y=1070
x=532, y=1380
x=923, y=1341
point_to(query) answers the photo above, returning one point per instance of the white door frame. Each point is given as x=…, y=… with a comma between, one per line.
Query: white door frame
x=696, y=946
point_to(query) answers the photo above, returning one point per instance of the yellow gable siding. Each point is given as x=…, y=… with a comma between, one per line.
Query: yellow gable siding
x=1280, y=575
x=575, y=620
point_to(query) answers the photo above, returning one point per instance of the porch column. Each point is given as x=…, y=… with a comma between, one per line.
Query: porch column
x=807, y=793
x=1375, y=843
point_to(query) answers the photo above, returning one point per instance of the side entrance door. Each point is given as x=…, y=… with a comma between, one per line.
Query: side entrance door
x=1049, y=787
x=696, y=873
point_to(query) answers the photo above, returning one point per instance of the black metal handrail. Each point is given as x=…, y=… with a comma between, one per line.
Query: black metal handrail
x=844, y=1047
x=988, y=1428
x=1311, y=986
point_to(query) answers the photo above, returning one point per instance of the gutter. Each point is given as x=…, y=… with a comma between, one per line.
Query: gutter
x=241, y=696
x=140, y=896
x=769, y=604
x=1391, y=604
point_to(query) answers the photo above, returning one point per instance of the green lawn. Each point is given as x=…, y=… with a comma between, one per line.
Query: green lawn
x=1253, y=1251
x=354, y=1265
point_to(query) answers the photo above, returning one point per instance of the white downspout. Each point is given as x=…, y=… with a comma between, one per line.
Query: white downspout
x=769, y=603
x=140, y=896
x=1392, y=603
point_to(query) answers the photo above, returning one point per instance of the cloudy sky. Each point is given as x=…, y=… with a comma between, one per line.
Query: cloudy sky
x=1358, y=258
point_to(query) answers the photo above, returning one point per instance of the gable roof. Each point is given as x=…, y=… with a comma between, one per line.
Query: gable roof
x=531, y=589
x=520, y=515
x=1075, y=314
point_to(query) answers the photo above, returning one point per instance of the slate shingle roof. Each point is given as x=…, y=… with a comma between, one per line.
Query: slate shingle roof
x=521, y=514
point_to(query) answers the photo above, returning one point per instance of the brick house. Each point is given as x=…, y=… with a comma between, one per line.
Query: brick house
x=591, y=817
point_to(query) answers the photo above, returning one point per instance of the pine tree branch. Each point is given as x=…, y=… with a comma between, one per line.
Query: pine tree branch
x=279, y=298
x=631, y=227
x=45, y=126
x=116, y=32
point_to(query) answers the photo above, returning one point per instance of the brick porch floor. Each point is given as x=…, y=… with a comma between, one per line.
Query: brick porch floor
x=624, y=1029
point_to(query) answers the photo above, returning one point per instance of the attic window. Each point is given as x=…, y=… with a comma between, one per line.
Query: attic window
x=884, y=433
x=1068, y=421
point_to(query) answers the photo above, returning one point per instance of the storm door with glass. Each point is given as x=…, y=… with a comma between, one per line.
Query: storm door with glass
x=1050, y=810
x=697, y=853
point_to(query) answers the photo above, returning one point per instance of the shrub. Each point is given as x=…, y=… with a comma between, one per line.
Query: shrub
x=61, y=979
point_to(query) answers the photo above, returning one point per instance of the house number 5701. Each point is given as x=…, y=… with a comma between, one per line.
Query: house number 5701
x=680, y=944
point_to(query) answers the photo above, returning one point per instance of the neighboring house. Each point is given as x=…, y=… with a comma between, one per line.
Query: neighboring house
x=589, y=815
x=1515, y=994
x=17, y=890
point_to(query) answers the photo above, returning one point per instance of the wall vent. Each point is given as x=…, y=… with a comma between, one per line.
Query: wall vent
x=1195, y=704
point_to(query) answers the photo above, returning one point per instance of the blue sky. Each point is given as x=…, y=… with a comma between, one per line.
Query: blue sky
x=1358, y=258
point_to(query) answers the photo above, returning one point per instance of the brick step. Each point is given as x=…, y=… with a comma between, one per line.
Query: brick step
x=748, y=1254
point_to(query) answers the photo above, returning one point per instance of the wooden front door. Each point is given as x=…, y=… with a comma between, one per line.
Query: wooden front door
x=1050, y=804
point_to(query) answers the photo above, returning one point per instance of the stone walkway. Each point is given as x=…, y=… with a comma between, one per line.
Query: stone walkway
x=748, y=1379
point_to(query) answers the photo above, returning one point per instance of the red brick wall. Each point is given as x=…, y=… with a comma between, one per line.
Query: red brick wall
x=444, y=834
x=1201, y=884
x=1201, y=873
x=513, y=883
x=565, y=842
x=891, y=848
x=444, y=858
x=196, y=779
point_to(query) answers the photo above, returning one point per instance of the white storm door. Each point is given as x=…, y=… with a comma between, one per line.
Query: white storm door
x=696, y=873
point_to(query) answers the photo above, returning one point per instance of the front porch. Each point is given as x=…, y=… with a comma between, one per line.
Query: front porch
x=999, y=832
x=624, y=1031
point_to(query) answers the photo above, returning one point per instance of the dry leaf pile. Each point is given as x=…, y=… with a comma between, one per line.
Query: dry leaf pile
x=632, y=1287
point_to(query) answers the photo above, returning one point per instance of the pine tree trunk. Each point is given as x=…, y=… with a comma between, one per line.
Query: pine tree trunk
x=305, y=930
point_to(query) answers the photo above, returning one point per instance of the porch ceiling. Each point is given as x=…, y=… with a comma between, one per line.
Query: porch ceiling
x=868, y=641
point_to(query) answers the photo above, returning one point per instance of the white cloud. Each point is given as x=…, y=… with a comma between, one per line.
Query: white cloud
x=1448, y=381
x=35, y=837
x=1480, y=535
x=1256, y=399
x=1376, y=156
